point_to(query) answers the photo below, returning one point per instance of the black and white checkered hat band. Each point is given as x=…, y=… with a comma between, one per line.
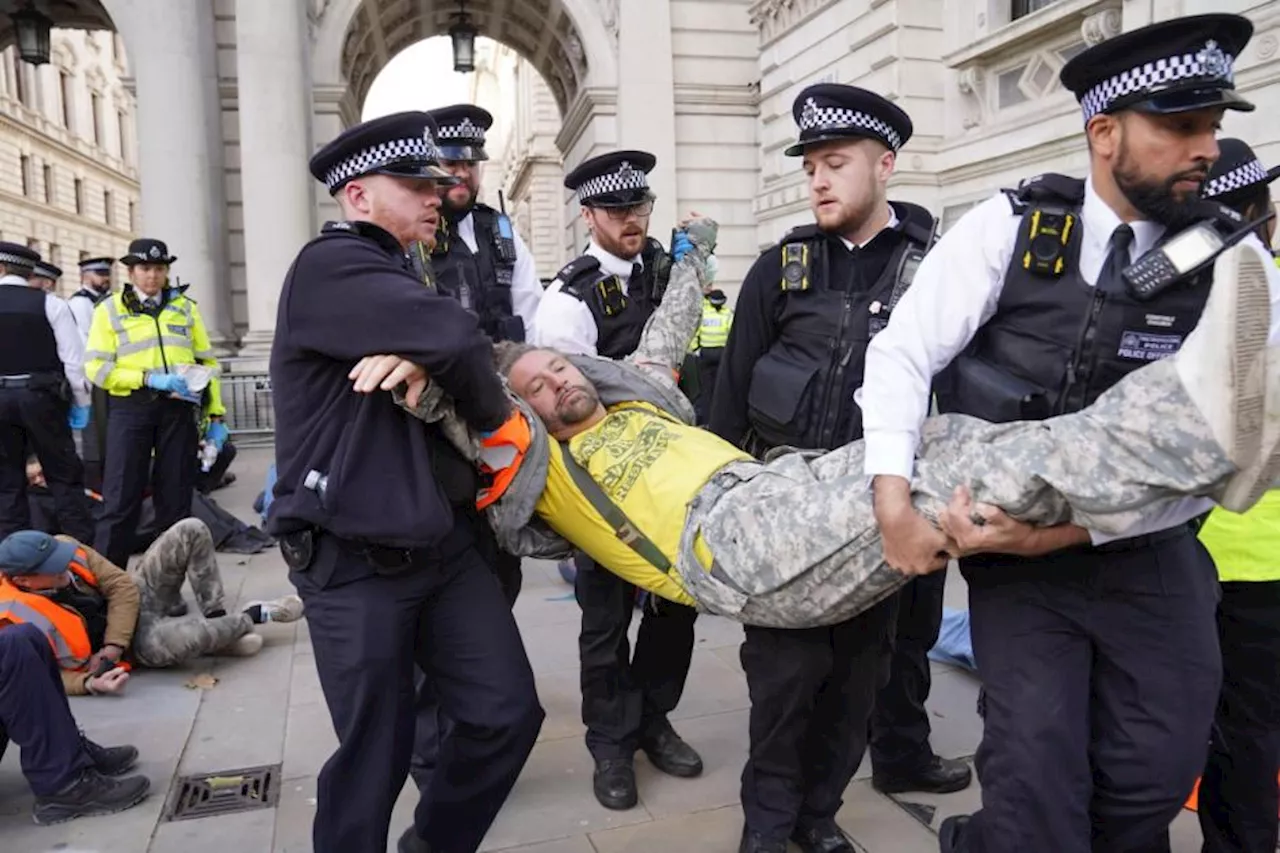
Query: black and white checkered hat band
x=814, y=117
x=16, y=260
x=418, y=148
x=1188, y=66
x=1237, y=179
x=626, y=178
x=465, y=129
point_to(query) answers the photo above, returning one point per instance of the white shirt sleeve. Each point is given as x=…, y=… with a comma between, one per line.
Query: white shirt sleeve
x=82, y=313
x=565, y=323
x=955, y=290
x=70, y=346
x=526, y=289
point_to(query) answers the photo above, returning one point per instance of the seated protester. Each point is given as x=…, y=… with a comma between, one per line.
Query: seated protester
x=612, y=466
x=70, y=775
x=100, y=619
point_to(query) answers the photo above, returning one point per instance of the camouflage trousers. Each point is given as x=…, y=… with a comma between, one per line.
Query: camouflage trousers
x=183, y=552
x=795, y=543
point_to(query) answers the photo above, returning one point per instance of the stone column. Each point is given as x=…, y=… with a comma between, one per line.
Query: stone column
x=172, y=55
x=646, y=100
x=274, y=95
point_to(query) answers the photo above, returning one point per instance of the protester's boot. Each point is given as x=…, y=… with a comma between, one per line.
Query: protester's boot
x=1231, y=375
x=90, y=794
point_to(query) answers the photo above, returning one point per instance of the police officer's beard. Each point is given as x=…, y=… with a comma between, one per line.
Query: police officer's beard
x=1156, y=199
x=455, y=212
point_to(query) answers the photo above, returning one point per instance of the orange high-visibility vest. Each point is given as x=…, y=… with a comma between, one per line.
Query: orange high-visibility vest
x=64, y=628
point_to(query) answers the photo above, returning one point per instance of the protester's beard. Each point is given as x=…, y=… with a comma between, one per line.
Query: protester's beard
x=576, y=404
x=1157, y=200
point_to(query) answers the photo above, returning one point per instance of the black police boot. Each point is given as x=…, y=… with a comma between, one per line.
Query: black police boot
x=90, y=794
x=615, y=783
x=950, y=832
x=669, y=753
x=410, y=842
x=110, y=760
x=822, y=836
x=754, y=842
x=939, y=776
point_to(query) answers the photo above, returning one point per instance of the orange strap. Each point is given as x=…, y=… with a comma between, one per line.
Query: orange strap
x=515, y=434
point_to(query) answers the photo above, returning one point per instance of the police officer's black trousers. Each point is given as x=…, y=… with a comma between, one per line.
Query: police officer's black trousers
x=34, y=712
x=137, y=425
x=1100, y=673
x=900, y=724
x=1239, y=797
x=368, y=630
x=37, y=419
x=708, y=368
x=626, y=697
x=812, y=691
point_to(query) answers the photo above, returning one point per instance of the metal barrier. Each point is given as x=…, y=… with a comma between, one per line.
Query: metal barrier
x=247, y=398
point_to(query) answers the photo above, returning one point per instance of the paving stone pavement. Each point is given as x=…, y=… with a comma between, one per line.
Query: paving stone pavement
x=269, y=709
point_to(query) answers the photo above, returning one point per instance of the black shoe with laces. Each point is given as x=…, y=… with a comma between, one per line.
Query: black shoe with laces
x=110, y=760
x=668, y=752
x=90, y=794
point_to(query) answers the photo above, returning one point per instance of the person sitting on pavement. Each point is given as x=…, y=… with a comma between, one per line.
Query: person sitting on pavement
x=70, y=775
x=101, y=619
x=611, y=464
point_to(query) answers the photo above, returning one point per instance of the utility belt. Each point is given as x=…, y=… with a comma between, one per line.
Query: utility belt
x=1146, y=540
x=55, y=382
x=299, y=549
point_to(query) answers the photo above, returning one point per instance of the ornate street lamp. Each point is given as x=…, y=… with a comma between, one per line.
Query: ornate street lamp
x=32, y=29
x=463, y=34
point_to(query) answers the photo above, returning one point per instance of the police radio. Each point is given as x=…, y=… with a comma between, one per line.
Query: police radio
x=1184, y=255
x=505, y=239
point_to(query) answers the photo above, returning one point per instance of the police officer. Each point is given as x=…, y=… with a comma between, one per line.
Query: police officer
x=369, y=508
x=794, y=356
x=1099, y=659
x=139, y=342
x=43, y=396
x=45, y=276
x=713, y=333
x=1239, y=799
x=598, y=304
x=95, y=286
x=479, y=259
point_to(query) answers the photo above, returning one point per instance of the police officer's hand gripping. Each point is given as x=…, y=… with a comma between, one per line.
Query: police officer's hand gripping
x=371, y=506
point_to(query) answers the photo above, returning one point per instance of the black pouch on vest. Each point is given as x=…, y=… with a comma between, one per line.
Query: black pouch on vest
x=994, y=395
x=298, y=549
x=779, y=400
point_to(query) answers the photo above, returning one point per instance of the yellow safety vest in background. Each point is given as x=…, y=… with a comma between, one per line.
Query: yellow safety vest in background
x=713, y=333
x=1246, y=547
x=125, y=345
x=651, y=467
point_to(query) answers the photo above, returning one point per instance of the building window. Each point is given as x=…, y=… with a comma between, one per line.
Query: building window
x=48, y=184
x=55, y=254
x=133, y=217
x=1022, y=8
x=108, y=207
x=24, y=164
x=79, y=196
x=19, y=78
x=121, y=134
x=65, y=82
x=95, y=106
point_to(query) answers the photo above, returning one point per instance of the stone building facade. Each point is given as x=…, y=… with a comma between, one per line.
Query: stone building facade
x=234, y=95
x=68, y=156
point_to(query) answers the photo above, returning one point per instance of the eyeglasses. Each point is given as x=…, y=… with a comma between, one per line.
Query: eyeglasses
x=621, y=214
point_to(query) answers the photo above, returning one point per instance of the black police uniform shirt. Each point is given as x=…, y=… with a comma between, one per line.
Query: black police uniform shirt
x=956, y=290
x=52, y=346
x=391, y=479
x=766, y=315
x=565, y=322
x=526, y=288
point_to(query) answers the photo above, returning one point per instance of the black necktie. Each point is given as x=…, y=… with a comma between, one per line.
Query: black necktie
x=1109, y=277
x=636, y=279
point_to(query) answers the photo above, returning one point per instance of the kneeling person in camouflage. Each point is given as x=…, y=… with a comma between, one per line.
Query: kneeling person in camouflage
x=101, y=619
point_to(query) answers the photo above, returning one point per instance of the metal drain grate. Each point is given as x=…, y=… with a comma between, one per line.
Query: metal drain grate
x=223, y=792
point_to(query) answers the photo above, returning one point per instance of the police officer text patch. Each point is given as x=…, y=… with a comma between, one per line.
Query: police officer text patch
x=1143, y=346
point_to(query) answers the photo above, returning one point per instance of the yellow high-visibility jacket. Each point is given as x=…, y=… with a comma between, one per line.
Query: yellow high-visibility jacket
x=1246, y=547
x=125, y=344
x=713, y=331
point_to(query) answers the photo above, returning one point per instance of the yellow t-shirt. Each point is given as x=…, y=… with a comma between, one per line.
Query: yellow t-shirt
x=651, y=467
x=1246, y=547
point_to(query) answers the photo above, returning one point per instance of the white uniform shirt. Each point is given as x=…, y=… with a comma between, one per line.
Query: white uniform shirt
x=526, y=289
x=67, y=335
x=565, y=322
x=955, y=291
x=82, y=311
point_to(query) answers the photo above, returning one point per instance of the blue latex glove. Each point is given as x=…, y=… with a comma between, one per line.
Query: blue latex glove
x=79, y=417
x=170, y=383
x=681, y=246
x=218, y=434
